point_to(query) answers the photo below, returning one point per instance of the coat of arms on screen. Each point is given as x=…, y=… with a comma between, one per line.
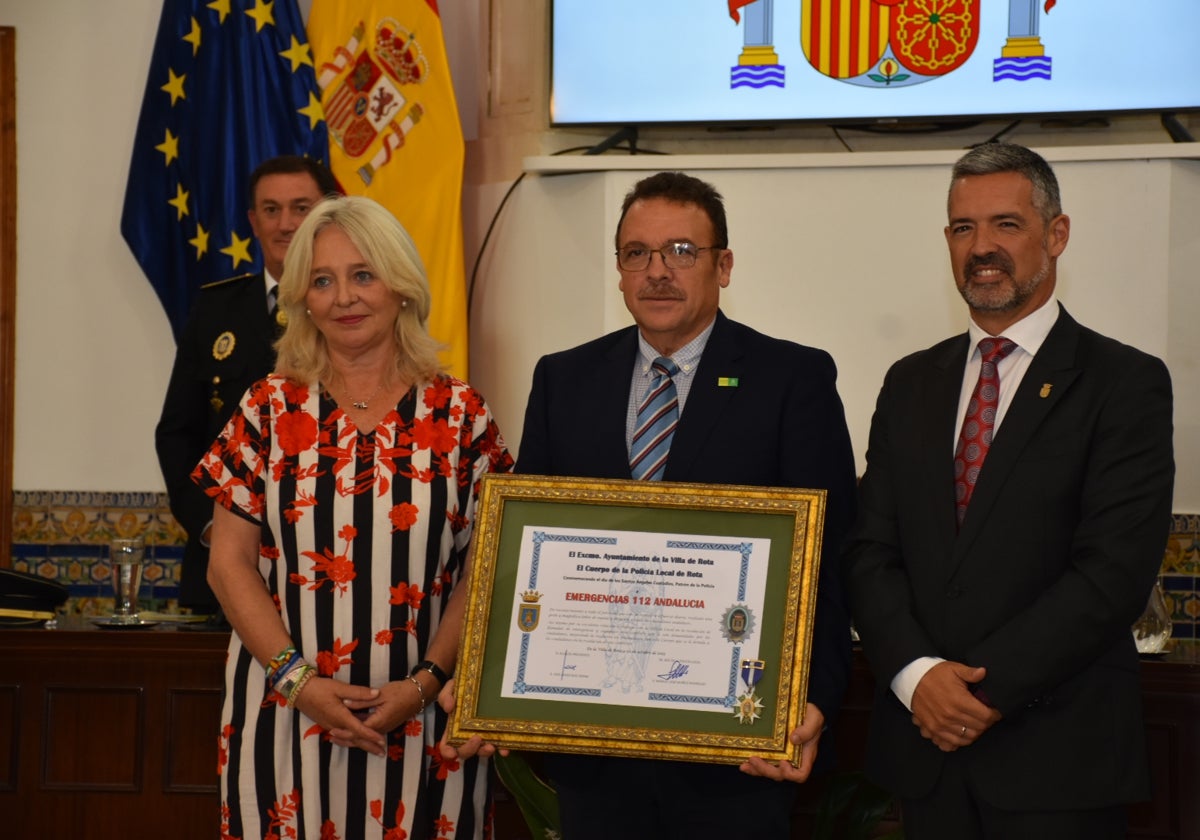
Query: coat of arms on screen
x=365, y=108
x=888, y=43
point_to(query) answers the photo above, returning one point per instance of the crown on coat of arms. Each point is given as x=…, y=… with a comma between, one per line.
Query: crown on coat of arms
x=531, y=596
x=398, y=49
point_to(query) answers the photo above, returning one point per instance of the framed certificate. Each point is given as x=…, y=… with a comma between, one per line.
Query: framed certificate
x=639, y=618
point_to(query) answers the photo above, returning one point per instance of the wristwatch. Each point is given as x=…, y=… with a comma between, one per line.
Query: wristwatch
x=432, y=667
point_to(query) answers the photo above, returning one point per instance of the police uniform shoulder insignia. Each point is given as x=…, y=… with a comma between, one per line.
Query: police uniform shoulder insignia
x=223, y=346
x=217, y=283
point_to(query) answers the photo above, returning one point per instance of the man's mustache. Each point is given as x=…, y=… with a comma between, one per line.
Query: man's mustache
x=663, y=291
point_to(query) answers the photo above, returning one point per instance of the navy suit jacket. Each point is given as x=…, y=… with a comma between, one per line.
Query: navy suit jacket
x=1064, y=535
x=205, y=387
x=782, y=425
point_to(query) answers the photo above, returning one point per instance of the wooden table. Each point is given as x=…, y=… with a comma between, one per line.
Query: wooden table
x=113, y=733
x=110, y=733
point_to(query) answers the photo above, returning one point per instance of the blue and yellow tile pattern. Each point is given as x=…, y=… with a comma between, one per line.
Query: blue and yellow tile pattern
x=64, y=536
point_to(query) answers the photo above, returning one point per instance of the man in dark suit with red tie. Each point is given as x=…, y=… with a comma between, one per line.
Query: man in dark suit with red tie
x=226, y=346
x=750, y=410
x=1012, y=518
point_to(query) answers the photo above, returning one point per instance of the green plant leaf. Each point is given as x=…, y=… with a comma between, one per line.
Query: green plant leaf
x=537, y=800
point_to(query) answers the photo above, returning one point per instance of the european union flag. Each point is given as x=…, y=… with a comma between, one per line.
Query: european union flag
x=231, y=84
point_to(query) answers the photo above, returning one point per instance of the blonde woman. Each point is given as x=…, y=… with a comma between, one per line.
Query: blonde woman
x=345, y=488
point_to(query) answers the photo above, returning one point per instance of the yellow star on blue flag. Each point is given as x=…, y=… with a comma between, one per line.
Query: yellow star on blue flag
x=231, y=83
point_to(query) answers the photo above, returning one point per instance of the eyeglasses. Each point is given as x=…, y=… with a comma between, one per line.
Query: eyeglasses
x=674, y=255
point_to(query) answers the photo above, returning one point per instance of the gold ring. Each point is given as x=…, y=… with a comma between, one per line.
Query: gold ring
x=964, y=732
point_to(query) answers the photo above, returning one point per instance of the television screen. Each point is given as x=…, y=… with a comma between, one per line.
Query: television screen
x=654, y=62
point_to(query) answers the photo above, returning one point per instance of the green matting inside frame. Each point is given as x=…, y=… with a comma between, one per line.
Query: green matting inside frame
x=518, y=514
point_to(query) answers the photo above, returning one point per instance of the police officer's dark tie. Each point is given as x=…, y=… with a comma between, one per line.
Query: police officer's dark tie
x=657, y=417
x=976, y=436
x=277, y=319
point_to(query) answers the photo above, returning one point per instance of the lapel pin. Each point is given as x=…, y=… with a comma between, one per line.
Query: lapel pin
x=727, y=381
x=1045, y=392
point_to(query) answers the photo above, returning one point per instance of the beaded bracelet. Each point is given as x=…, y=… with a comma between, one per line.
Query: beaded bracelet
x=307, y=674
x=420, y=691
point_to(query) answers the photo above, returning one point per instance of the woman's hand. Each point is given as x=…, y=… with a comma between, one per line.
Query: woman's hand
x=476, y=746
x=329, y=703
x=394, y=704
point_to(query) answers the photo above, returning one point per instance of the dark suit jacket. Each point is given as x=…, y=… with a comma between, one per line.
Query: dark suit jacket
x=1059, y=548
x=783, y=425
x=203, y=392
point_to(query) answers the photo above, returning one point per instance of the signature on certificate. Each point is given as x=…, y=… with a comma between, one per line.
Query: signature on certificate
x=678, y=669
x=562, y=675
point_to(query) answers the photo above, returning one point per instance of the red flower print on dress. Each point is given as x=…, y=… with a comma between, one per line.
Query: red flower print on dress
x=223, y=747
x=295, y=511
x=329, y=662
x=329, y=831
x=458, y=522
x=296, y=432
x=337, y=568
x=342, y=451
x=438, y=393
x=433, y=433
x=260, y=393
x=403, y=516
x=295, y=393
x=405, y=593
x=395, y=832
x=385, y=636
x=443, y=825
x=443, y=767
x=283, y=814
x=443, y=466
x=414, y=474
x=225, y=835
x=473, y=402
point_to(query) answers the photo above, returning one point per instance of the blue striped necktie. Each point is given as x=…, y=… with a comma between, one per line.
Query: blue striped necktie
x=657, y=417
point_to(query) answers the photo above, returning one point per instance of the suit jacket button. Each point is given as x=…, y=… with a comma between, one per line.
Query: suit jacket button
x=953, y=591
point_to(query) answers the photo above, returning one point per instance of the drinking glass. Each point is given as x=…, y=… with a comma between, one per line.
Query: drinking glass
x=126, y=555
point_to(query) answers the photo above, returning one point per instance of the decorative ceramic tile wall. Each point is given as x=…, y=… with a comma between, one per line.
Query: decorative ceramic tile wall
x=1181, y=576
x=64, y=536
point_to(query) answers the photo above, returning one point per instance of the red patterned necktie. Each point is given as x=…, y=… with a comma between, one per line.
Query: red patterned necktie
x=976, y=436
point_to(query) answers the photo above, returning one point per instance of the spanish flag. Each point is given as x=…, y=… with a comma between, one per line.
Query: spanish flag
x=395, y=136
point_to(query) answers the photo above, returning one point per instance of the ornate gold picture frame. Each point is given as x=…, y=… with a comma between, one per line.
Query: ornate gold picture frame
x=638, y=618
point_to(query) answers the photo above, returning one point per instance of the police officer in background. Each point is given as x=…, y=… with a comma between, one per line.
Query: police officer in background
x=226, y=346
